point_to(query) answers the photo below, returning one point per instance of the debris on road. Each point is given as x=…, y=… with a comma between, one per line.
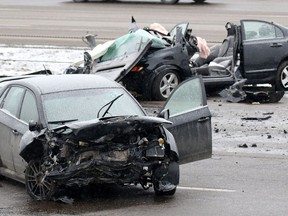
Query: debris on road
x=256, y=118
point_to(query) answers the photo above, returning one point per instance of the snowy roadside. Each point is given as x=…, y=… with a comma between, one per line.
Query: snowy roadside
x=25, y=59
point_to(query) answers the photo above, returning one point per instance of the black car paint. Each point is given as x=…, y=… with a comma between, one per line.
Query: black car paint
x=154, y=62
x=174, y=57
x=254, y=62
x=269, y=53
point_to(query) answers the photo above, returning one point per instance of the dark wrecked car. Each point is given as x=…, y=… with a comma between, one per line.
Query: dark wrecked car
x=61, y=131
x=254, y=53
x=250, y=64
x=146, y=61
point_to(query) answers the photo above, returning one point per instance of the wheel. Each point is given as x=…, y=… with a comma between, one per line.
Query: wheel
x=37, y=186
x=164, y=83
x=159, y=192
x=2, y=177
x=282, y=77
x=169, y=1
x=168, y=182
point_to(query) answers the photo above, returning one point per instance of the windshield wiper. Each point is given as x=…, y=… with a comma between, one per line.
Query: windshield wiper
x=110, y=103
x=61, y=121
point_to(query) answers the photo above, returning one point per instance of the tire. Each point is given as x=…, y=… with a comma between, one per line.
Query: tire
x=2, y=177
x=276, y=96
x=163, y=193
x=167, y=185
x=164, y=83
x=36, y=187
x=169, y=1
x=282, y=77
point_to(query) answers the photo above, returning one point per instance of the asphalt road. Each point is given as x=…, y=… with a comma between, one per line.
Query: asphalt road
x=235, y=181
x=60, y=22
x=223, y=185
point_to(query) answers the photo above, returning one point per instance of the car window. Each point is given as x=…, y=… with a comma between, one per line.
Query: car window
x=184, y=100
x=86, y=104
x=29, y=108
x=2, y=97
x=255, y=30
x=13, y=99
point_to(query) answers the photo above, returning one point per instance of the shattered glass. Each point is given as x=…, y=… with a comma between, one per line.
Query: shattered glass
x=130, y=43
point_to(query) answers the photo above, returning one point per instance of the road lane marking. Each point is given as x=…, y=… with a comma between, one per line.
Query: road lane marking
x=9, y=9
x=206, y=189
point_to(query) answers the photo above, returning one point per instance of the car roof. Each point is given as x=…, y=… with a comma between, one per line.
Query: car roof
x=56, y=83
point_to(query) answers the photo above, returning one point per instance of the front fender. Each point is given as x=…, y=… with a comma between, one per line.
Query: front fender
x=172, y=142
x=31, y=146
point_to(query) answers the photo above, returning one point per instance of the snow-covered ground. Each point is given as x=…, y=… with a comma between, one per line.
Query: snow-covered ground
x=26, y=59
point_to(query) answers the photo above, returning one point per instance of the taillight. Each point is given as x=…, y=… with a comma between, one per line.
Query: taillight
x=136, y=69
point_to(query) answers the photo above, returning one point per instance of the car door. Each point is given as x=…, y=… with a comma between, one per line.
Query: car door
x=191, y=117
x=28, y=112
x=18, y=107
x=9, y=109
x=263, y=47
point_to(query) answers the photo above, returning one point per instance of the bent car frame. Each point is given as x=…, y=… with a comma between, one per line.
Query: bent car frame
x=152, y=63
x=146, y=61
x=62, y=131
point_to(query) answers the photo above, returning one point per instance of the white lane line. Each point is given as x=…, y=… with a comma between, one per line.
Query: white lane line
x=206, y=189
x=8, y=9
x=12, y=26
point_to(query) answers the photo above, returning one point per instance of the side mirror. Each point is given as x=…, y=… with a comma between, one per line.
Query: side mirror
x=165, y=113
x=34, y=126
x=90, y=40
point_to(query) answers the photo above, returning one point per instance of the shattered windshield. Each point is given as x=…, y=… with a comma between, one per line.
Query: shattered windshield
x=131, y=43
x=83, y=105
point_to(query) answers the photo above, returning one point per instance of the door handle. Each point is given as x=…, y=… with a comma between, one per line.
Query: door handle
x=203, y=119
x=15, y=132
x=276, y=45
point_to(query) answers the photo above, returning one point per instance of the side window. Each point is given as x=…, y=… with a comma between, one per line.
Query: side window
x=29, y=108
x=13, y=99
x=2, y=98
x=254, y=30
x=187, y=97
x=279, y=33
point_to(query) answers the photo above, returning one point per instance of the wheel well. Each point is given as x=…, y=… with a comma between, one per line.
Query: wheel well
x=281, y=62
x=32, y=151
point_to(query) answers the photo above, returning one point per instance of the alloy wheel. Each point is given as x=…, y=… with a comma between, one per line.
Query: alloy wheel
x=37, y=185
x=284, y=77
x=168, y=83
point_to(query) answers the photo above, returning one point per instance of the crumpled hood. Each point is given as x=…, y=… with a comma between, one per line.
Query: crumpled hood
x=99, y=128
x=95, y=130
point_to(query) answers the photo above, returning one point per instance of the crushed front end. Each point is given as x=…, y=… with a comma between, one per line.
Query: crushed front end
x=119, y=150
